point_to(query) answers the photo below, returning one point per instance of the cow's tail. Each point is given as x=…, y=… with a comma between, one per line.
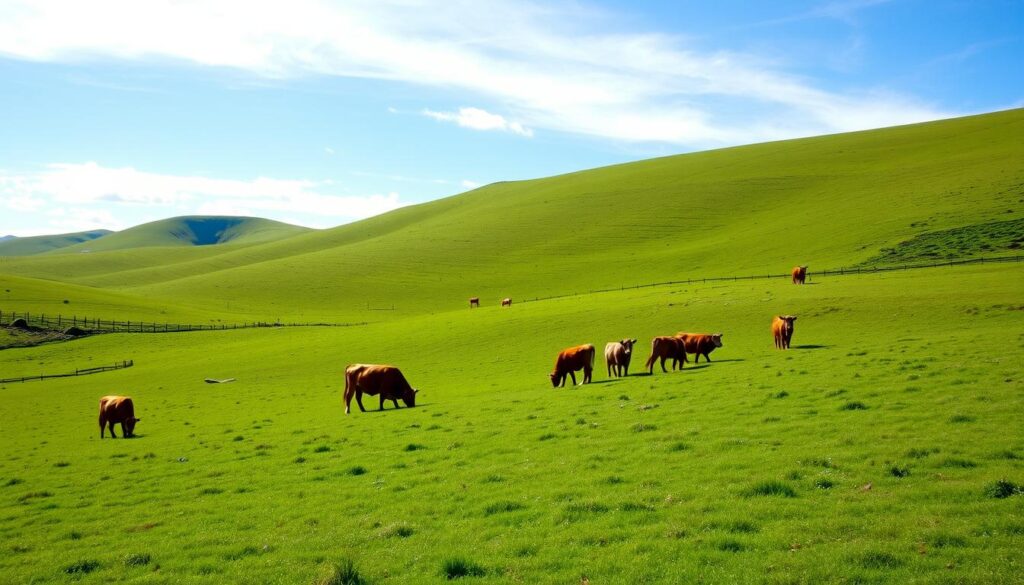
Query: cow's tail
x=350, y=388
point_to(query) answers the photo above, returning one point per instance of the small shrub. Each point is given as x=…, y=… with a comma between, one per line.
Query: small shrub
x=1002, y=489
x=770, y=488
x=83, y=567
x=458, y=567
x=357, y=470
x=499, y=507
x=854, y=405
x=136, y=559
x=824, y=483
x=897, y=470
x=344, y=573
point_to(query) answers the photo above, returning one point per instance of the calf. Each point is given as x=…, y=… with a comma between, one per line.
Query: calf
x=799, y=274
x=782, y=330
x=474, y=302
x=617, y=355
x=506, y=302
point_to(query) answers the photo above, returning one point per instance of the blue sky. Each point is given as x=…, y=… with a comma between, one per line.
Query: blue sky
x=114, y=113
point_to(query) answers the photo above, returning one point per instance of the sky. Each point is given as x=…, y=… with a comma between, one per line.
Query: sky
x=114, y=113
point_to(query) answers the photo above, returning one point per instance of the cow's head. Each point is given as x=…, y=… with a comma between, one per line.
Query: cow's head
x=788, y=319
x=716, y=338
x=555, y=379
x=628, y=344
x=410, y=398
x=129, y=426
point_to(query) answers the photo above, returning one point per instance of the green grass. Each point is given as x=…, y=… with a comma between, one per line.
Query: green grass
x=996, y=238
x=890, y=428
x=40, y=244
x=481, y=489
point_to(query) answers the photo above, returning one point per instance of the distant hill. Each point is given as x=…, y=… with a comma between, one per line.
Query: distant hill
x=193, y=231
x=12, y=246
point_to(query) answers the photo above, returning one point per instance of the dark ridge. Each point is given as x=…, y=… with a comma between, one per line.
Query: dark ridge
x=208, y=231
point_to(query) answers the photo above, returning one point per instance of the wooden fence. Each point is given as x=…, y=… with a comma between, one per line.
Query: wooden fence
x=79, y=372
x=97, y=325
x=841, y=271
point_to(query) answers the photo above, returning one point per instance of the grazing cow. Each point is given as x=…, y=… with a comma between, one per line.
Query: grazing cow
x=701, y=344
x=387, y=381
x=474, y=302
x=506, y=302
x=569, y=360
x=117, y=409
x=664, y=348
x=799, y=274
x=617, y=355
x=782, y=330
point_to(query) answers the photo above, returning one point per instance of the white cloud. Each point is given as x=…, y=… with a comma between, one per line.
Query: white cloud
x=112, y=194
x=551, y=64
x=469, y=185
x=478, y=119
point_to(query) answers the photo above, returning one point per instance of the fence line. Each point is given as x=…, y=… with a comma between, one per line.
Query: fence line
x=77, y=372
x=841, y=271
x=96, y=325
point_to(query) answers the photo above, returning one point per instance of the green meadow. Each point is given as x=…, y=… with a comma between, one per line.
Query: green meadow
x=885, y=447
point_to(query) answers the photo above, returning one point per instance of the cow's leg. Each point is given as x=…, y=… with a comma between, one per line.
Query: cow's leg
x=610, y=366
x=625, y=370
x=359, y=399
x=111, y=425
x=587, y=375
x=381, y=401
x=395, y=401
x=707, y=357
x=573, y=374
x=663, y=365
x=103, y=426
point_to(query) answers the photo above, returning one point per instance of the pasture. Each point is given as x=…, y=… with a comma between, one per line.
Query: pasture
x=870, y=452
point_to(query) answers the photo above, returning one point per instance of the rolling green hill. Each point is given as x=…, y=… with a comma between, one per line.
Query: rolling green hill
x=828, y=201
x=193, y=231
x=11, y=246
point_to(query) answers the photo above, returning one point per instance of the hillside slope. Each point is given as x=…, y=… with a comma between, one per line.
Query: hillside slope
x=11, y=246
x=194, y=231
x=827, y=201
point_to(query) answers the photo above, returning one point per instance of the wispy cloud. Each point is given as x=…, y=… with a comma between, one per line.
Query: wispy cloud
x=545, y=65
x=106, y=191
x=478, y=119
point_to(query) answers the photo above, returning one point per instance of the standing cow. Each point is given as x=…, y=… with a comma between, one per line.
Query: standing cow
x=799, y=274
x=387, y=381
x=701, y=344
x=506, y=302
x=570, y=360
x=474, y=302
x=617, y=355
x=118, y=410
x=664, y=348
x=782, y=330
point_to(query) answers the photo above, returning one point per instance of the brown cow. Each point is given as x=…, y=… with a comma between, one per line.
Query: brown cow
x=474, y=302
x=117, y=409
x=664, y=348
x=569, y=360
x=387, y=381
x=617, y=355
x=701, y=344
x=506, y=302
x=782, y=330
x=799, y=274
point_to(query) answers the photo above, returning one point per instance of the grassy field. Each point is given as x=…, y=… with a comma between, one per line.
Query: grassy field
x=885, y=447
x=864, y=454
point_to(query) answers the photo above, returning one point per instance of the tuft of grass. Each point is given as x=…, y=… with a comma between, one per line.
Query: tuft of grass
x=13, y=481
x=357, y=470
x=398, y=530
x=879, y=560
x=961, y=463
x=854, y=405
x=137, y=559
x=678, y=446
x=1002, y=489
x=34, y=495
x=500, y=507
x=770, y=488
x=824, y=483
x=343, y=573
x=897, y=470
x=414, y=447
x=61, y=464
x=82, y=567
x=458, y=567
x=730, y=545
x=641, y=427
x=947, y=541
x=321, y=449
x=961, y=418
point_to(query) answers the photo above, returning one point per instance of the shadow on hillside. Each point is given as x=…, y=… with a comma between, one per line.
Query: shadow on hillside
x=809, y=346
